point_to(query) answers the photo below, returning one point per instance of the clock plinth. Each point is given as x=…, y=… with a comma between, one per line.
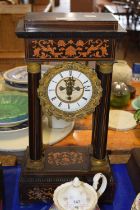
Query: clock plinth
x=67, y=37
x=63, y=164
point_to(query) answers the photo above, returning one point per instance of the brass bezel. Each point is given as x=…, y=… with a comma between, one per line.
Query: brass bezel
x=49, y=109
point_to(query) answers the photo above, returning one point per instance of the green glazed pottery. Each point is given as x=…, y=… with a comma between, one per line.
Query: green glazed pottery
x=13, y=106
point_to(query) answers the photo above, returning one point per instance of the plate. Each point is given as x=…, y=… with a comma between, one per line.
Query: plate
x=17, y=140
x=136, y=103
x=20, y=127
x=13, y=108
x=14, y=141
x=14, y=123
x=16, y=86
x=121, y=120
x=19, y=74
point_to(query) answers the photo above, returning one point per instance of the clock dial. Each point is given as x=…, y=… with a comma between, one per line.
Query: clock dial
x=69, y=91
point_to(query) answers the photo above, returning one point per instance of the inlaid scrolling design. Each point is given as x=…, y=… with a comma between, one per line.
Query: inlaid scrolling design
x=68, y=49
x=65, y=158
x=40, y=193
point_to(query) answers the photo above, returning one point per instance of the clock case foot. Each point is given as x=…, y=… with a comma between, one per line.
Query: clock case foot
x=38, y=184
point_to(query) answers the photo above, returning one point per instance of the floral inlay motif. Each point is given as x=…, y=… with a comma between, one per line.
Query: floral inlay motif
x=65, y=158
x=67, y=49
x=37, y=193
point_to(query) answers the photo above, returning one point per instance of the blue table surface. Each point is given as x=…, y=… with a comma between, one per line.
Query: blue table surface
x=124, y=195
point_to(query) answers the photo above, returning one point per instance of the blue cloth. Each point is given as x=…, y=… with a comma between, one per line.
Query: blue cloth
x=125, y=194
x=123, y=200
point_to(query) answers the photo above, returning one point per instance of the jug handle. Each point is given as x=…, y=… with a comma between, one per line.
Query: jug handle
x=96, y=179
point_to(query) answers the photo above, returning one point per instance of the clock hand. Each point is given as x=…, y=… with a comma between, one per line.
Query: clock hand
x=61, y=88
x=68, y=89
x=78, y=88
x=69, y=86
x=70, y=82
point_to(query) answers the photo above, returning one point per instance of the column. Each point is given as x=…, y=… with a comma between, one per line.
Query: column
x=35, y=125
x=101, y=114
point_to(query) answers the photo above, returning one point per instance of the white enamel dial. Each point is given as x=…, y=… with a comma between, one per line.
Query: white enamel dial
x=70, y=90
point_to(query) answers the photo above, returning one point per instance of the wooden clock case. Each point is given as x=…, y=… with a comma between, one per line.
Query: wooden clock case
x=67, y=37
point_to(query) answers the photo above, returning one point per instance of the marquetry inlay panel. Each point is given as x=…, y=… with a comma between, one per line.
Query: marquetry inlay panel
x=70, y=49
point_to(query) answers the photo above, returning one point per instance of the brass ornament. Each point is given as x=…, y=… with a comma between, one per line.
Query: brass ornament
x=33, y=68
x=35, y=164
x=105, y=67
x=49, y=109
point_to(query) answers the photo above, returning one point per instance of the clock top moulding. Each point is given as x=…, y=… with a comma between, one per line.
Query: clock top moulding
x=67, y=37
x=54, y=32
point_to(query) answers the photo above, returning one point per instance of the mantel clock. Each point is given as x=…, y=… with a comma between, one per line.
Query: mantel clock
x=69, y=90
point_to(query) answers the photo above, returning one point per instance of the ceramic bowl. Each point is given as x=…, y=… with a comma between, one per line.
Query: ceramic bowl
x=136, y=103
x=19, y=74
x=13, y=107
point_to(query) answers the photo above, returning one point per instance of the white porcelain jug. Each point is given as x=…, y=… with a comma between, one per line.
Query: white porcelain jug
x=78, y=195
x=136, y=203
